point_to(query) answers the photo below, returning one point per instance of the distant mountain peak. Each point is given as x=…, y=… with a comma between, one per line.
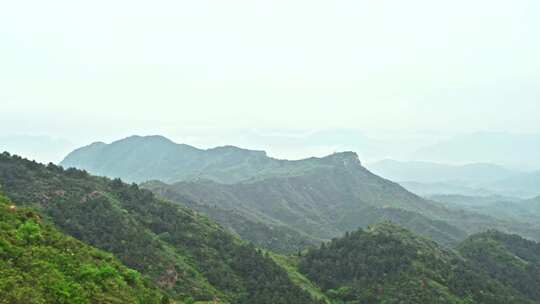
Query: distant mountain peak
x=142, y=158
x=347, y=158
x=344, y=154
x=97, y=144
x=146, y=138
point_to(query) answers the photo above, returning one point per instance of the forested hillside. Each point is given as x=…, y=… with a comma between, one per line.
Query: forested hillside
x=184, y=253
x=512, y=260
x=326, y=200
x=388, y=264
x=39, y=264
x=191, y=258
x=278, y=204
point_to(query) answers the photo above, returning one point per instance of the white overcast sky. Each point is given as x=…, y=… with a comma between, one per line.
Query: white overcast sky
x=89, y=70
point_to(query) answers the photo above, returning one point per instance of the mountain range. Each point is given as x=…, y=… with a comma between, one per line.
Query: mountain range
x=527, y=211
x=259, y=198
x=508, y=149
x=139, y=159
x=229, y=225
x=475, y=179
x=429, y=172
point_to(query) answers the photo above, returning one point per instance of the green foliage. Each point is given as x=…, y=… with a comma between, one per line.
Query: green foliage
x=287, y=213
x=290, y=263
x=39, y=264
x=388, y=264
x=510, y=259
x=280, y=205
x=184, y=253
x=262, y=233
x=29, y=232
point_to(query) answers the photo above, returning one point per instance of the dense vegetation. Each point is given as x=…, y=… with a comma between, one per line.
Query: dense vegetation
x=333, y=197
x=191, y=258
x=39, y=264
x=336, y=196
x=186, y=254
x=512, y=260
x=278, y=204
x=262, y=232
x=388, y=264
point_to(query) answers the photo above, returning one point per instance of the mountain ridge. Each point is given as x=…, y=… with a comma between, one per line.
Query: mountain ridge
x=318, y=197
x=171, y=162
x=184, y=253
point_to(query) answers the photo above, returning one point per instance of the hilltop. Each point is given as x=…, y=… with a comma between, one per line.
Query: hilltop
x=510, y=259
x=388, y=264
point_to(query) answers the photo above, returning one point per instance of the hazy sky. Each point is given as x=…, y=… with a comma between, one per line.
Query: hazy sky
x=89, y=70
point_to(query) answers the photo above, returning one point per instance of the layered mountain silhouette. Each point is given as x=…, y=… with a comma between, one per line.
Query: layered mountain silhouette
x=139, y=159
x=187, y=257
x=429, y=172
x=509, y=149
x=279, y=204
x=474, y=179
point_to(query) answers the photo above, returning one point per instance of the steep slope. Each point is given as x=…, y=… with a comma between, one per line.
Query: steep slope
x=39, y=264
x=184, y=253
x=332, y=197
x=292, y=232
x=299, y=202
x=264, y=233
x=509, y=259
x=388, y=264
x=335, y=195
